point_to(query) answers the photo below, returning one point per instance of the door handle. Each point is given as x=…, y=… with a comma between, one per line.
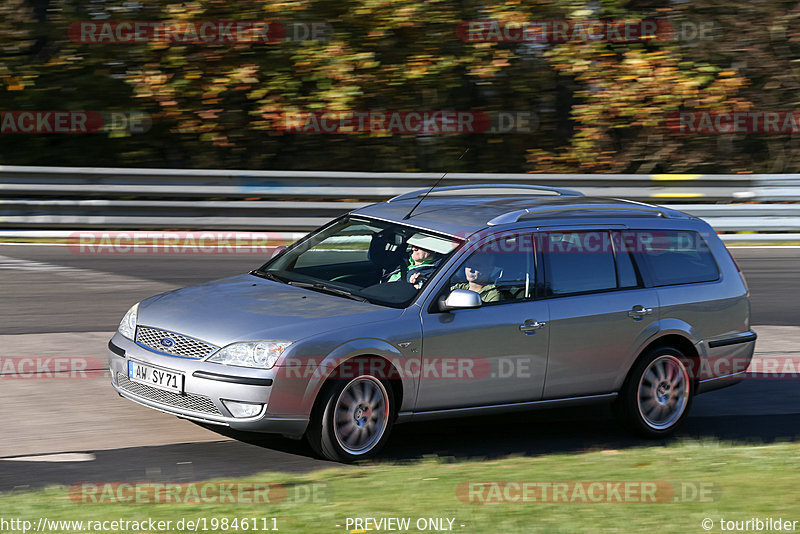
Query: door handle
x=639, y=311
x=531, y=325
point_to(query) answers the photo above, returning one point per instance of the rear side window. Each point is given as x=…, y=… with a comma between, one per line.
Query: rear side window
x=586, y=261
x=674, y=256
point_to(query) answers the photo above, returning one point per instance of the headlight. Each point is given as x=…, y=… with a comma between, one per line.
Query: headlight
x=257, y=354
x=127, y=327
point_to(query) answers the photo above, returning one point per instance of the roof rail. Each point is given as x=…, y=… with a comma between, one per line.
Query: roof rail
x=514, y=216
x=559, y=190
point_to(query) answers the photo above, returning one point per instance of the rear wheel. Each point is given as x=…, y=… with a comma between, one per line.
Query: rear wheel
x=353, y=419
x=657, y=394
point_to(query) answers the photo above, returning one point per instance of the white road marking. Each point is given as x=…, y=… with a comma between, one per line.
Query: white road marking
x=30, y=265
x=54, y=458
x=75, y=273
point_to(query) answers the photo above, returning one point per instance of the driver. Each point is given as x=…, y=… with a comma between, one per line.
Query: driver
x=421, y=265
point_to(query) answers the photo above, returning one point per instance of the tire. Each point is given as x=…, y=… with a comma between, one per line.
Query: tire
x=352, y=419
x=657, y=394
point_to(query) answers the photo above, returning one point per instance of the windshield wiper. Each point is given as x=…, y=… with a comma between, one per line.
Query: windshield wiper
x=268, y=275
x=326, y=289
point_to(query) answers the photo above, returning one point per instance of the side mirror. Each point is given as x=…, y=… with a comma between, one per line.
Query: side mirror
x=459, y=299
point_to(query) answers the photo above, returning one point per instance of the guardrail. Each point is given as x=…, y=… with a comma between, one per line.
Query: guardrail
x=292, y=201
x=236, y=184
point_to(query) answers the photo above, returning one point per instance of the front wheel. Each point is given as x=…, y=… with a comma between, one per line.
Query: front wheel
x=657, y=394
x=353, y=419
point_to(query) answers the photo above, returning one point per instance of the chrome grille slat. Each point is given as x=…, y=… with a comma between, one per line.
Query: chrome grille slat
x=185, y=347
x=190, y=402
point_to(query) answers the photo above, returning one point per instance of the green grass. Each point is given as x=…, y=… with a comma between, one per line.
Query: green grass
x=745, y=482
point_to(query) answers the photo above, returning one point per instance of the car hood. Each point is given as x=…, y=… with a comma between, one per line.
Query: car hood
x=249, y=308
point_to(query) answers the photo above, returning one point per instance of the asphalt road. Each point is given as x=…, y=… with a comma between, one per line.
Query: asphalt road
x=60, y=303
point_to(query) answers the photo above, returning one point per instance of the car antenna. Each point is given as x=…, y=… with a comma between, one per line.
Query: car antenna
x=428, y=192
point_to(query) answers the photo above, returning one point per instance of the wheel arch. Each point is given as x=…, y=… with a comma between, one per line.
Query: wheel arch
x=671, y=333
x=352, y=353
x=628, y=403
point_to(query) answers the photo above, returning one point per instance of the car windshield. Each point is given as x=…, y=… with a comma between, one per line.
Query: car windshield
x=363, y=259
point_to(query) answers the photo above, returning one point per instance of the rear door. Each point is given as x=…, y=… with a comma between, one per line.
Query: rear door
x=600, y=310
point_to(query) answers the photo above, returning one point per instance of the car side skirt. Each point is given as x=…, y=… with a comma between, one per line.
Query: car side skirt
x=504, y=408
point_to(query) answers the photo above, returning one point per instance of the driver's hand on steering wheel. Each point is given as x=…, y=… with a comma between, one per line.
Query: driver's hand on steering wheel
x=416, y=281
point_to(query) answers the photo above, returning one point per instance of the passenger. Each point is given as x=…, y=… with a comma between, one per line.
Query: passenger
x=478, y=270
x=422, y=264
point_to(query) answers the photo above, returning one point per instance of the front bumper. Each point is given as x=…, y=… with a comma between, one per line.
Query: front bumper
x=206, y=385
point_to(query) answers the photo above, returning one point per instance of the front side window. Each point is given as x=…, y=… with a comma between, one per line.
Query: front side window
x=501, y=270
x=377, y=261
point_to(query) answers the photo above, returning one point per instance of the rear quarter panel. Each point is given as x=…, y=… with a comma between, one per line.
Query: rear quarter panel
x=708, y=311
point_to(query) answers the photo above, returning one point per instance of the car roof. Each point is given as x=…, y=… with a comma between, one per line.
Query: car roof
x=463, y=210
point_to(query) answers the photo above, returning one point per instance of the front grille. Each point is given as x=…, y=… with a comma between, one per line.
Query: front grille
x=190, y=402
x=183, y=346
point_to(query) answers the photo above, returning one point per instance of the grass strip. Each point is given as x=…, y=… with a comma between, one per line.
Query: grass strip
x=709, y=479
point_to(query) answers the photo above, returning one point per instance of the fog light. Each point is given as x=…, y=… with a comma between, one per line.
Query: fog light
x=242, y=409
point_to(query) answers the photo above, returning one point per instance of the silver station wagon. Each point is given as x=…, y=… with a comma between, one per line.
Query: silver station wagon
x=457, y=301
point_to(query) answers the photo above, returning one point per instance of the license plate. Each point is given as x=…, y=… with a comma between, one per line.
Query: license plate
x=155, y=377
